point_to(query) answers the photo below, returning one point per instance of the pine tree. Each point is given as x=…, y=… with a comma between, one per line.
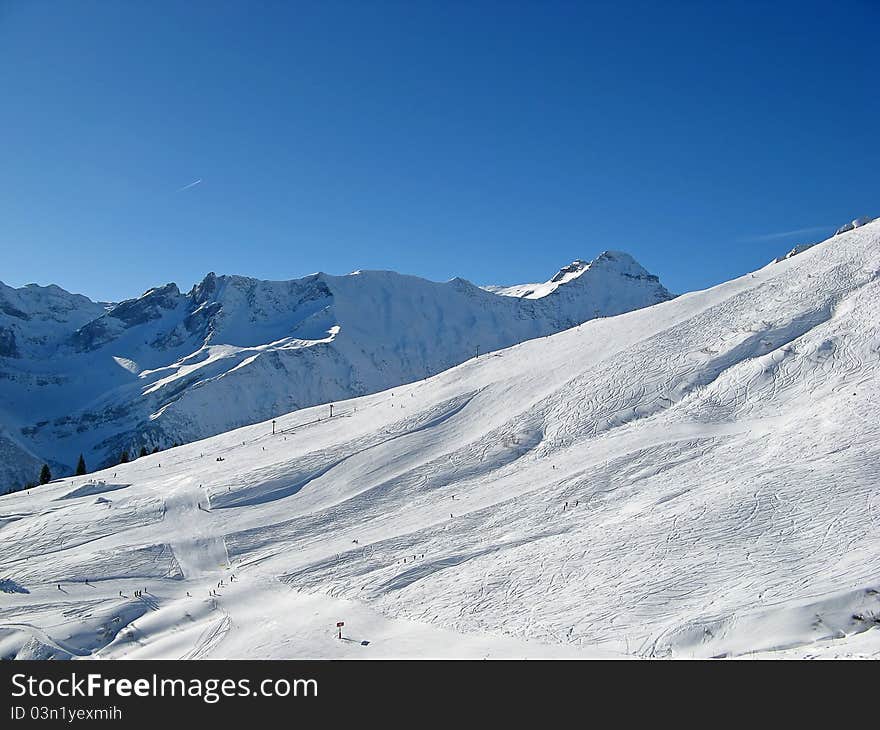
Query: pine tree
x=155, y=449
x=45, y=474
x=80, y=466
x=143, y=451
x=124, y=458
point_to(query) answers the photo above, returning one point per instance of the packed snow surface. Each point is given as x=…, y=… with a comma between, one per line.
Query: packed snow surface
x=700, y=478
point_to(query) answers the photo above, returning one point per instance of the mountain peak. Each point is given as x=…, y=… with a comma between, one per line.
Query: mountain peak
x=608, y=266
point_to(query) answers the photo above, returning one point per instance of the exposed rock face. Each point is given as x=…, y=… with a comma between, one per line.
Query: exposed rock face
x=149, y=307
x=852, y=225
x=7, y=343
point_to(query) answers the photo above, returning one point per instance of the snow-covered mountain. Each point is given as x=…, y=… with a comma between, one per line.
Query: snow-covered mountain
x=698, y=478
x=588, y=282
x=171, y=367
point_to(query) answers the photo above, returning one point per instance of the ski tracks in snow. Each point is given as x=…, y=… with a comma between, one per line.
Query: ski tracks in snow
x=198, y=549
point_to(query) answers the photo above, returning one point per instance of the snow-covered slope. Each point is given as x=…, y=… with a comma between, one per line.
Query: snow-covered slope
x=169, y=367
x=698, y=478
x=845, y=228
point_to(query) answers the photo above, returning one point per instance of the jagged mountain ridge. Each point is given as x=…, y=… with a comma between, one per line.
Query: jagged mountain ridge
x=171, y=367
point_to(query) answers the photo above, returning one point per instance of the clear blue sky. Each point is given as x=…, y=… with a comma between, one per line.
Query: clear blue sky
x=492, y=140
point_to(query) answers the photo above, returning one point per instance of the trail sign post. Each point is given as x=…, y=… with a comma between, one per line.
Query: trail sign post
x=339, y=625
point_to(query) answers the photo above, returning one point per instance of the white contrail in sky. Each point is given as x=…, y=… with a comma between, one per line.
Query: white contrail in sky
x=192, y=184
x=787, y=234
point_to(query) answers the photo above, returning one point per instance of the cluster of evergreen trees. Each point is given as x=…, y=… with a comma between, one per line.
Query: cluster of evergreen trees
x=44, y=478
x=81, y=469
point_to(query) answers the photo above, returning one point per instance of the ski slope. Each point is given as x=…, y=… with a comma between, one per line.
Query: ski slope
x=700, y=478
